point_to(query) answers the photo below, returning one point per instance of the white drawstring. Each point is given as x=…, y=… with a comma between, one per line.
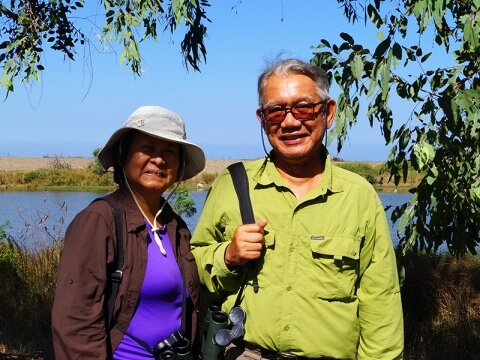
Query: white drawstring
x=155, y=229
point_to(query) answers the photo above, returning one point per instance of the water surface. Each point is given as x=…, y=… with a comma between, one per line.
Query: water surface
x=29, y=213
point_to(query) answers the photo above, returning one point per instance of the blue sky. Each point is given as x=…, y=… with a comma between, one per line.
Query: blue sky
x=79, y=104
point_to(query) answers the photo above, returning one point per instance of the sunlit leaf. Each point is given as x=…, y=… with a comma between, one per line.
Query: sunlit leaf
x=357, y=67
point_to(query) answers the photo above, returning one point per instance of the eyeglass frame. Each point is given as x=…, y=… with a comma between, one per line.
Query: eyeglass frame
x=287, y=109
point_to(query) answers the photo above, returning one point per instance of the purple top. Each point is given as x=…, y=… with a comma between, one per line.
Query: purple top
x=159, y=309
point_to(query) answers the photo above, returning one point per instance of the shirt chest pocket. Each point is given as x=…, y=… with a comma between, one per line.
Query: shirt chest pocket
x=332, y=267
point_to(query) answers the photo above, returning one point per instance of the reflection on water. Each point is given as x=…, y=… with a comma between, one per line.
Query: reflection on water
x=28, y=211
x=393, y=200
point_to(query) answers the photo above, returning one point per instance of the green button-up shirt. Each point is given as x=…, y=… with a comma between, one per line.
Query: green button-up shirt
x=328, y=283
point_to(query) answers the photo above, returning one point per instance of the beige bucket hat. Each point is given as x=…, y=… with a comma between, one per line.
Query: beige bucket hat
x=160, y=123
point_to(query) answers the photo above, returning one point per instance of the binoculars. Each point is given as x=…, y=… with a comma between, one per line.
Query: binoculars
x=218, y=333
x=175, y=347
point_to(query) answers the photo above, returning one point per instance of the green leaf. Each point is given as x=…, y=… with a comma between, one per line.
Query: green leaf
x=357, y=67
x=347, y=38
x=397, y=51
x=425, y=57
x=381, y=48
x=373, y=80
x=424, y=153
x=374, y=16
x=404, y=138
x=476, y=193
x=385, y=80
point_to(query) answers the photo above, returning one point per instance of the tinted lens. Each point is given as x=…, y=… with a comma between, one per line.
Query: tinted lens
x=303, y=111
x=277, y=114
x=274, y=114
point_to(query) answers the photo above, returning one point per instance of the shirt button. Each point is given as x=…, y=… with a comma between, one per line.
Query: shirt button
x=286, y=328
x=70, y=281
x=289, y=288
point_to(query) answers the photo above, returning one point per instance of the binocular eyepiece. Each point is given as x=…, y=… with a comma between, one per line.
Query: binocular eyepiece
x=175, y=347
x=218, y=333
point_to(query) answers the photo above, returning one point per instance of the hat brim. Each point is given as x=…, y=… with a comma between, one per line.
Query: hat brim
x=194, y=155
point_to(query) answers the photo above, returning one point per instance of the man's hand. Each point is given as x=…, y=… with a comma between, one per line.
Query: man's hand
x=246, y=244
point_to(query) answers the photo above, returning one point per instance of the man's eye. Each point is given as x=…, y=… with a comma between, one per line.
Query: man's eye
x=276, y=110
x=303, y=107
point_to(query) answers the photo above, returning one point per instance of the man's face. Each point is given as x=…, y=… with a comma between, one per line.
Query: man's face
x=295, y=141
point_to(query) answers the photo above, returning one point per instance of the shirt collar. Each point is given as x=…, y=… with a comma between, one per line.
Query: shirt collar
x=268, y=175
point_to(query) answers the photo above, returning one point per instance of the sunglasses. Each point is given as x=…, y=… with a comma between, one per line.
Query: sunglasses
x=301, y=112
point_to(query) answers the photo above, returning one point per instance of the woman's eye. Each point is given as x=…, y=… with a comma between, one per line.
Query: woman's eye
x=170, y=152
x=148, y=147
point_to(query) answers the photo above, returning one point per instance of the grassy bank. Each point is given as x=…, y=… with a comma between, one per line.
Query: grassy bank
x=61, y=176
x=72, y=180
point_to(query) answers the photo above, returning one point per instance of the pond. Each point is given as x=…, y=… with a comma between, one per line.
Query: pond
x=30, y=213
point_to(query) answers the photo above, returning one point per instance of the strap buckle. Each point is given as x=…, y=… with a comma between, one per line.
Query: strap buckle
x=285, y=356
x=117, y=276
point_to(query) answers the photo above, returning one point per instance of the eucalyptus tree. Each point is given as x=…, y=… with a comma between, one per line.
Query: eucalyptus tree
x=440, y=135
x=29, y=27
x=439, y=138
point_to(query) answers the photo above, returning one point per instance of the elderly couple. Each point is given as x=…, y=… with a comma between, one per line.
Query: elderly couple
x=319, y=248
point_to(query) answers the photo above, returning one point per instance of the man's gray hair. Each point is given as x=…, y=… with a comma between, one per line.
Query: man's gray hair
x=294, y=66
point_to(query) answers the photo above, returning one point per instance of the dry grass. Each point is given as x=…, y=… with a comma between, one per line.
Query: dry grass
x=30, y=164
x=441, y=299
x=13, y=171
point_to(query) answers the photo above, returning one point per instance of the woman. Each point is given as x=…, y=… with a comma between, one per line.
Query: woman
x=158, y=296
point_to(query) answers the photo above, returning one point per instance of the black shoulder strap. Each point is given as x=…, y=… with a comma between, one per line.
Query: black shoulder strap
x=116, y=275
x=240, y=183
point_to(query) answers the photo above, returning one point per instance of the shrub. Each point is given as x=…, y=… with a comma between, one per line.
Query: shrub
x=8, y=260
x=58, y=163
x=182, y=203
x=35, y=176
x=95, y=166
x=58, y=177
x=360, y=168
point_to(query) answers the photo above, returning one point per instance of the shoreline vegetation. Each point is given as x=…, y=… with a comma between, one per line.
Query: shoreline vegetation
x=440, y=294
x=84, y=174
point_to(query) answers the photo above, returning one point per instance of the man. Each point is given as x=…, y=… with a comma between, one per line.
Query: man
x=320, y=247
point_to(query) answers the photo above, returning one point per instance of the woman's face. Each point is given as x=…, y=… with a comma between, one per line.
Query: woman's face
x=151, y=165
